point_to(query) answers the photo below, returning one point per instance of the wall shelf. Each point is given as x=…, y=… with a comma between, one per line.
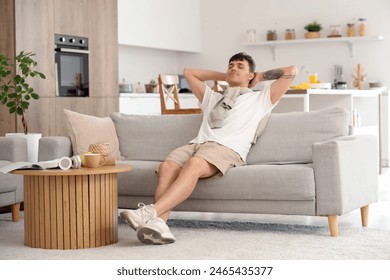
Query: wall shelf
x=349, y=41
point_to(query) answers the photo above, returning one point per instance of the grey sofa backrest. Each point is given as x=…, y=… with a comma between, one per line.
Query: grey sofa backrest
x=152, y=137
x=288, y=137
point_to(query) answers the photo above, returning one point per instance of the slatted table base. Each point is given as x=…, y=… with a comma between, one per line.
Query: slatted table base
x=70, y=212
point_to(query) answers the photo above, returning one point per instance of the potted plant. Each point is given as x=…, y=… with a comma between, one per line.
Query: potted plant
x=16, y=93
x=313, y=30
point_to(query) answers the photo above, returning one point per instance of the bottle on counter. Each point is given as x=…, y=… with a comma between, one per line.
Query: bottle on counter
x=139, y=88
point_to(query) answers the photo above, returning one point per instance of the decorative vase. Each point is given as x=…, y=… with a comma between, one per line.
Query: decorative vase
x=32, y=144
x=312, y=35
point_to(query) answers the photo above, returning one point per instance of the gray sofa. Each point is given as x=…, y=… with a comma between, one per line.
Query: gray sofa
x=12, y=149
x=304, y=163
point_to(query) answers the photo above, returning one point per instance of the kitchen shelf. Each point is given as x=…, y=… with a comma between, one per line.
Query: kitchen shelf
x=350, y=41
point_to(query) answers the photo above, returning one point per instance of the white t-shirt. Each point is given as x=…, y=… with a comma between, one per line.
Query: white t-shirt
x=240, y=123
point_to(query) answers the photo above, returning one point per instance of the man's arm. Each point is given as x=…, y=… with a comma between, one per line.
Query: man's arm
x=283, y=76
x=196, y=78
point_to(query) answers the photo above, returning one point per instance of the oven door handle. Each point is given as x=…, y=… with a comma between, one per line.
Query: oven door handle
x=72, y=50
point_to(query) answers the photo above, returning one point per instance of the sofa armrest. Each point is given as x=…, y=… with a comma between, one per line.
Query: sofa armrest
x=346, y=173
x=13, y=149
x=54, y=147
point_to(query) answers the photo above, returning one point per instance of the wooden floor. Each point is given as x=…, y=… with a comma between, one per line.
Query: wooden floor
x=378, y=217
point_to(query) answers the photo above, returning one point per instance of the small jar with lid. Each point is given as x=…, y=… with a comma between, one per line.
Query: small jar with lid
x=289, y=34
x=362, y=27
x=350, y=29
x=271, y=35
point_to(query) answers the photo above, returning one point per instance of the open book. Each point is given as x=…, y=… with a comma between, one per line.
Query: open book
x=64, y=163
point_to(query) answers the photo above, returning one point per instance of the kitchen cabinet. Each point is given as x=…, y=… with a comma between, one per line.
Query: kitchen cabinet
x=30, y=25
x=71, y=17
x=103, y=46
x=348, y=41
x=27, y=28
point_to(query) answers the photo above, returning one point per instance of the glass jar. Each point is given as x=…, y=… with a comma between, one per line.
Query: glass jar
x=251, y=35
x=334, y=30
x=362, y=27
x=271, y=35
x=313, y=78
x=290, y=34
x=350, y=29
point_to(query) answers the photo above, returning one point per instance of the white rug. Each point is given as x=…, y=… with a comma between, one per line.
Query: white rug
x=201, y=240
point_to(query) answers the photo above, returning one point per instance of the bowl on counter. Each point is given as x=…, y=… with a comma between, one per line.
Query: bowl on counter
x=320, y=85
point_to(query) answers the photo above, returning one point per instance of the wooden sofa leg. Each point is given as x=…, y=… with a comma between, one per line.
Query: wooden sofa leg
x=15, y=209
x=333, y=225
x=364, y=214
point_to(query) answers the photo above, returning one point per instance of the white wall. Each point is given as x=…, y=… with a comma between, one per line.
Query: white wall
x=223, y=30
x=224, y=25
x=167, y=24
x=143, y=64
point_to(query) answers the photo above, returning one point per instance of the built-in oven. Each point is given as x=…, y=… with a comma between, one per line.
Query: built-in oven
x=71, y=57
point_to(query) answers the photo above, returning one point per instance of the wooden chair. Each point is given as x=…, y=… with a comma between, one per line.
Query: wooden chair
x=169, y=94
x=220, y=86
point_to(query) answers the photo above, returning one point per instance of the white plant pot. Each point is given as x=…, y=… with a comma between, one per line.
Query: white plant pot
x=32, y=144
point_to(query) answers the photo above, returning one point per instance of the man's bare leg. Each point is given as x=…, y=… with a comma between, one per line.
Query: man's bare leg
x=168, y=173
x=184, y=185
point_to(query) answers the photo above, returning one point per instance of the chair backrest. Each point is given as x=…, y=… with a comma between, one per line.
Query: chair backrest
x=169, y=95
x=220, y=86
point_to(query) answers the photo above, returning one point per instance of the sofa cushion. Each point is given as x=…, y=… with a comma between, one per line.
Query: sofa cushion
x=153, y=137
x=9, y=182
x=288, y=137
x=141, y=180
x=252, y=182
x=84, y=130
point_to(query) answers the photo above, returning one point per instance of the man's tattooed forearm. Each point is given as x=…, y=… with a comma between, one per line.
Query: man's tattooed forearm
x=276, y=74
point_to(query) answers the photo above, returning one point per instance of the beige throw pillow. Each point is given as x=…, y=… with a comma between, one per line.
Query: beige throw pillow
x=85, y=130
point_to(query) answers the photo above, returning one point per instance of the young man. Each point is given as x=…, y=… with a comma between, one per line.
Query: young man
x=230, y=122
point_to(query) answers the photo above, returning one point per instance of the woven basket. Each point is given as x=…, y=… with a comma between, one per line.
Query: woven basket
x=102, y=148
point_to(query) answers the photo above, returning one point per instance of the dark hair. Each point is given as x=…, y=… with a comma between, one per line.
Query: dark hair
x=243, y=56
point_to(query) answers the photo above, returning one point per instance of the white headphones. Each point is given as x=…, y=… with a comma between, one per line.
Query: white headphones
x=76, y=162
x=66, y=163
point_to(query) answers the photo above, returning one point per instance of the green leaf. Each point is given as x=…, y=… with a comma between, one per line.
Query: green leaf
x=3, y=99
x=12, y=110
x=25, y=104
x=11, y=104
x=19, y=111
x=18, y=79
x=34, y=95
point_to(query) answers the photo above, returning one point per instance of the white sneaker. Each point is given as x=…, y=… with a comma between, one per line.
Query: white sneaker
x=155, y=232
x=136, y=218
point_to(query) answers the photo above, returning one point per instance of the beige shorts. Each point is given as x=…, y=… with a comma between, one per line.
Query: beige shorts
x=216, y=154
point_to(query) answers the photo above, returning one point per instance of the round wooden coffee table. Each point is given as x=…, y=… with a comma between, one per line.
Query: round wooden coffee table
x=71, y=209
